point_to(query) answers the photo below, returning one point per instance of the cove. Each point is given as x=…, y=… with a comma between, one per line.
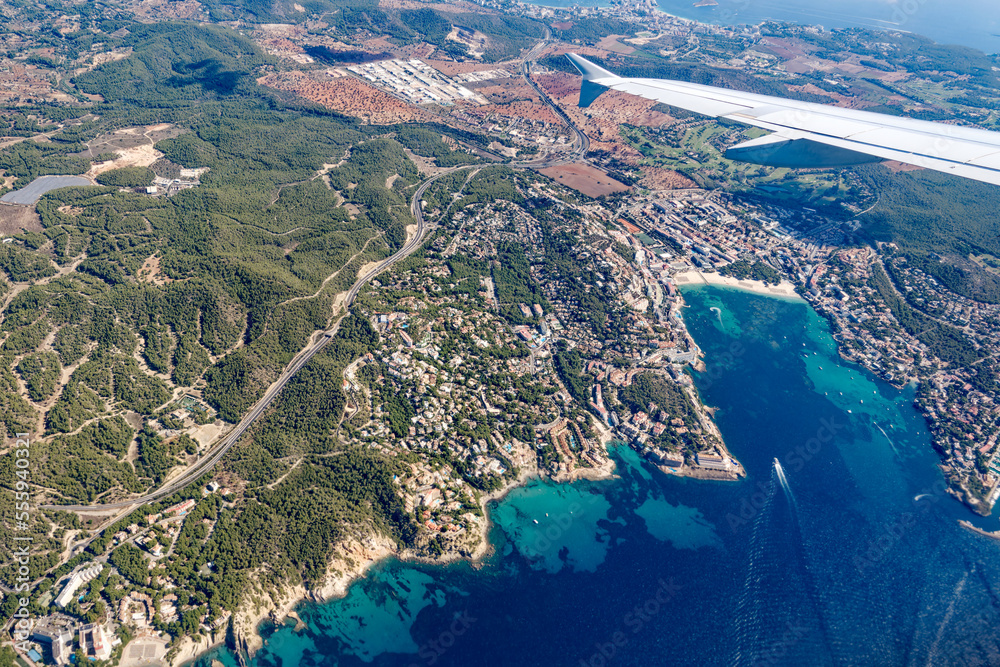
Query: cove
x=855, y=557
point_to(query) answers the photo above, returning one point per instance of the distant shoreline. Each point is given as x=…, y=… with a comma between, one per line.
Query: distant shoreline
x=783, y=290
x=696, y=12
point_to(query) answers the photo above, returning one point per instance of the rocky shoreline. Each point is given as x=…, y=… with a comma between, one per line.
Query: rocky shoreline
x=352, y=559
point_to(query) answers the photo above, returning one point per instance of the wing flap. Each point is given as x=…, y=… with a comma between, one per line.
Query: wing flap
x=991, y=161
x=937, y=146
x=972, y=171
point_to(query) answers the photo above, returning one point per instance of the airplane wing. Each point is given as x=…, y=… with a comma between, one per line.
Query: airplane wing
x=814, y=135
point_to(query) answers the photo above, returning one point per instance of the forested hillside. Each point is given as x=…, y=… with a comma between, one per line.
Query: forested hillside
x=938, y=221
x=126, y=303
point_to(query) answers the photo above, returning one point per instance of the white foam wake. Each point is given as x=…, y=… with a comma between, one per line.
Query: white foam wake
x=891, y=443
x=784, y=482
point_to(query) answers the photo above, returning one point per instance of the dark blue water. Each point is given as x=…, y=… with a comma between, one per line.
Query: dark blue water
x=856, y=560
x=974, y=23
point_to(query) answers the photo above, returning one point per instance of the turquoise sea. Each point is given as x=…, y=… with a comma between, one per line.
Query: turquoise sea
x=974, y=23
x=852, y=555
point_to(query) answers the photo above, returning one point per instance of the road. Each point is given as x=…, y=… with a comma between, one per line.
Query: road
x=205, y=464
x=317, y=344
x=580, y=140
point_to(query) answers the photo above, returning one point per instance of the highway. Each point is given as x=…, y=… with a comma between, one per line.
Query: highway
x=317, y=343
x=580, y=140
x=219, y=450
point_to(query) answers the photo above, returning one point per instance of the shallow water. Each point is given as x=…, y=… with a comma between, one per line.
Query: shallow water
x=841, y=567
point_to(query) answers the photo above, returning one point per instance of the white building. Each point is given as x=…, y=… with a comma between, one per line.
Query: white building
x=78, y=579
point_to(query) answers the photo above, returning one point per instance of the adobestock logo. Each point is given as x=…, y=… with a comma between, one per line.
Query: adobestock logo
x=905, y=10
x=726, y=362
x=554, y=527
x=432, y=651
x=634, y=621
x=891, y=532
x=795, y=460
x=731, y=11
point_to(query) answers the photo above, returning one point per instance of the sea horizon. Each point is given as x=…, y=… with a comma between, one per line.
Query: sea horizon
x=930, y=18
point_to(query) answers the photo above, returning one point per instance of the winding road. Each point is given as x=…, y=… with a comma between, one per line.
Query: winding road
x=317, y=343
x=580, y=140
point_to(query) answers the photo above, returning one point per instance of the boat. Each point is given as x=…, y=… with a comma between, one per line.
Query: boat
x=535, y=520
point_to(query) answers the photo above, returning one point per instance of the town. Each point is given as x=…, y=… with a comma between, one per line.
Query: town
x=538, y=328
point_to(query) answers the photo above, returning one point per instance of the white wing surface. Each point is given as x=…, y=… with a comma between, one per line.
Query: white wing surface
x=815, y=135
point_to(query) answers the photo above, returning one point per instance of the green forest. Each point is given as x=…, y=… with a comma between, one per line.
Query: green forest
x=933, y=217
x=212, y=290
x=756, y=270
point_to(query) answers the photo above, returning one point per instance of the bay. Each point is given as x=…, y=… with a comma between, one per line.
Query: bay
x=973, y=23
x=855, y=557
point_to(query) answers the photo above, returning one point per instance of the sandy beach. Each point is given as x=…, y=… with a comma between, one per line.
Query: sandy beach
x=784, y=289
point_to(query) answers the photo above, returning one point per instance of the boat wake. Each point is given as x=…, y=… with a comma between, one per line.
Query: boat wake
x=779, y=590
x=949, y=613
x=891, y=443
x=780, y=472
x=718, y=313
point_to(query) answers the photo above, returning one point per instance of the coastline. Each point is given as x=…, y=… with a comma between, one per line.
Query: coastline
x=351, y=561
x=995, y=535
x=693, y=278
x=353, y=558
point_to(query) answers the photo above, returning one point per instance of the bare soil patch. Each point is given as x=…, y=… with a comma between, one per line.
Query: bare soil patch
x=656, y=178
x=133, y=147
x=15, y=219
x=586, y=179
x=897, y=167
x=150, y=272
x=367, y=268
x=347, y=95
x=140, y=156
x=611, y=43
